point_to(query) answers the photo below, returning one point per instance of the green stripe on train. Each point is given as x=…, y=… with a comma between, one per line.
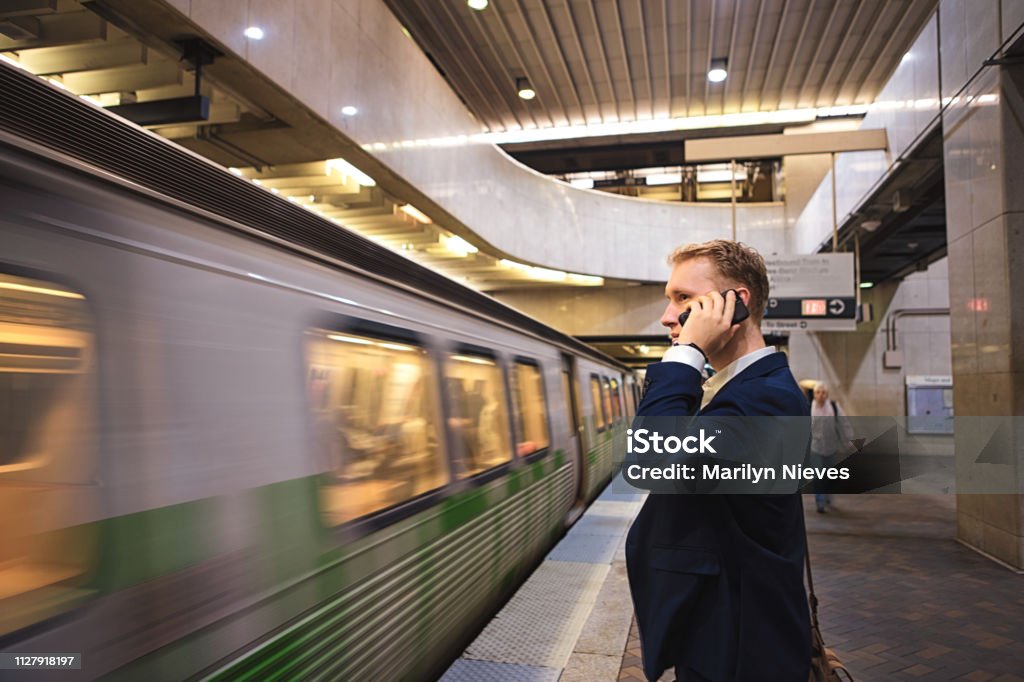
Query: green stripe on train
x=293, y=547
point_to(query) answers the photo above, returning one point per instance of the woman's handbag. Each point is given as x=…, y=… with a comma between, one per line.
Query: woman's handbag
x=825, y=665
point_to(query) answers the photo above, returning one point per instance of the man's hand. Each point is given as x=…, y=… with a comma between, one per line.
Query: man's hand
x=709, y=325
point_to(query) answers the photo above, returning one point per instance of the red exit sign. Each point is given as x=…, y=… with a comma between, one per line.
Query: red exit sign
x=813, y=306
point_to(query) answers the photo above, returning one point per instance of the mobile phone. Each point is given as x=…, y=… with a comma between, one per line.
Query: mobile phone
x=739, y=314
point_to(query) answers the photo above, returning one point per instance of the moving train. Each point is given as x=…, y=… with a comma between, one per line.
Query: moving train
x=237, y=442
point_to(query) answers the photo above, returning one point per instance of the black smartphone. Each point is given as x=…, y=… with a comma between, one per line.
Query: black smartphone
x=739, y=314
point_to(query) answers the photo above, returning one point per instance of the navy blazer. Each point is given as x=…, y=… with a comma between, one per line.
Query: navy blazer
x=717, y=580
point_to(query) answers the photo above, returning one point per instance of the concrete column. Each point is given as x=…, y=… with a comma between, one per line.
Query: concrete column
x=984, y=162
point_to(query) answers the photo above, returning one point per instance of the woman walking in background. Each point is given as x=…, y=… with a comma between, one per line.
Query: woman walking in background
x=830, y=432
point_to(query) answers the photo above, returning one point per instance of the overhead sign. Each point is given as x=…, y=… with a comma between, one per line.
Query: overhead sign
x=819, y=275
x=813, y=292
x=808, y=325
x=841, y=307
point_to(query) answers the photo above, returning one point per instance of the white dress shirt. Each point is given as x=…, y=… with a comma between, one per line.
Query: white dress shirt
x=689, y=355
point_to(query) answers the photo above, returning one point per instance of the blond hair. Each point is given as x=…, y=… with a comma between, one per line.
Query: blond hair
x=735, y=262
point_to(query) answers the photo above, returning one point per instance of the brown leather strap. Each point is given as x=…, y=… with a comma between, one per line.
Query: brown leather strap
x=812, y=599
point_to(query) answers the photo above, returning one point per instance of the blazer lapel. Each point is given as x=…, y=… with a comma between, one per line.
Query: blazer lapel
x=762, y=367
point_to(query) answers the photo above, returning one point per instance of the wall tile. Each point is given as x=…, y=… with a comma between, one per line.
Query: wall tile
x=938, y=351
x=312, y=52
x=183, y=6
x=1015, y=259
x=926, y=75
x=982, y=20
x=986, y=150
x=969, y=528
x=1000, y=544
x=227, y=22
x=992, y=289
x=964, y=346
x=952, y=45
x=1011, y=111
x=970, y=505
x=958, y=162
x=1002, y=512
x=996, y=391
x=274, y=54
x=344, y=68
x=938, y=292
x=1012, y=18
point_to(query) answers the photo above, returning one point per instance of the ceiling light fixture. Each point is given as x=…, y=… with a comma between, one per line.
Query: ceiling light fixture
x=477, y=4
x=416, y=214
x=458, y=245
x=718, y=70
x=349, y=111
x=254, y=33
x=344, y=168
x=524, y=88
x=664, y=179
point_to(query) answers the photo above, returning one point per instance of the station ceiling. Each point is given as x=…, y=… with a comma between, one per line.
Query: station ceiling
x=125, y=53
x=610, y=59
x=601, y=61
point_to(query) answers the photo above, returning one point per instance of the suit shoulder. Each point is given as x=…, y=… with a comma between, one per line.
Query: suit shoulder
x=787, y=392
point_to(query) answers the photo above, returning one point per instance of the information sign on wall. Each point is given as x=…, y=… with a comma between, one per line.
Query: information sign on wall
x=815, y=292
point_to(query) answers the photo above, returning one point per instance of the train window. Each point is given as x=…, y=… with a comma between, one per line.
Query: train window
x=606, y=397
x=595, y=398
x=531, y=409
x=616, y=400
x=376, y=414
x=47, y=455
x=479, y=412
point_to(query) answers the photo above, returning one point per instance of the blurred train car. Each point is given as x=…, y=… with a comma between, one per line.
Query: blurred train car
x=228, y=453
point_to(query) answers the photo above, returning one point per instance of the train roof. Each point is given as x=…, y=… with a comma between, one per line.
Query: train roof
x=41, y=113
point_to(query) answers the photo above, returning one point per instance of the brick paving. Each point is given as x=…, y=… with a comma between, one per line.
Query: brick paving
x=901, y=600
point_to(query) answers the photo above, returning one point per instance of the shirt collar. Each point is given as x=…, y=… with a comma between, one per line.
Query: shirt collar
x=715, y=384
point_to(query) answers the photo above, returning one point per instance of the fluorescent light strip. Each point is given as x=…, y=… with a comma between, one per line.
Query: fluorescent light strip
x=458, y=245
x=349, y=339
x=475, y=361
x=416, y=214
x=669, y=124
x=343, y=167
x=664, y=178
x=550, y=275
x=40, y=290
x=395, y=346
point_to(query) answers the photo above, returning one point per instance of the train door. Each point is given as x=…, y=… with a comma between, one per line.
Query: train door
x=577, y=447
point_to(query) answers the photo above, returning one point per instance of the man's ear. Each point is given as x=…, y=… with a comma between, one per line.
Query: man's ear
x=744, y=294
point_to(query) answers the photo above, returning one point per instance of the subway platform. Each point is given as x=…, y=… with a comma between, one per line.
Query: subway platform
x=900, y=599
x=570, y=620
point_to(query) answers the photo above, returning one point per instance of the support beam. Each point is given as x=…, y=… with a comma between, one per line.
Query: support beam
x=49, y=61
x=767, y=146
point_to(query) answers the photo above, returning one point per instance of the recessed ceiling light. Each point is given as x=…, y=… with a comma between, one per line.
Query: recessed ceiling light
x=718, y=70
x=524, y=88
x=349, y=111
x=254, y=32
x=477, y=4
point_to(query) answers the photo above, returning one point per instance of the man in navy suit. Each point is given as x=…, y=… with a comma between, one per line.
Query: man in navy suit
x=717, y=580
